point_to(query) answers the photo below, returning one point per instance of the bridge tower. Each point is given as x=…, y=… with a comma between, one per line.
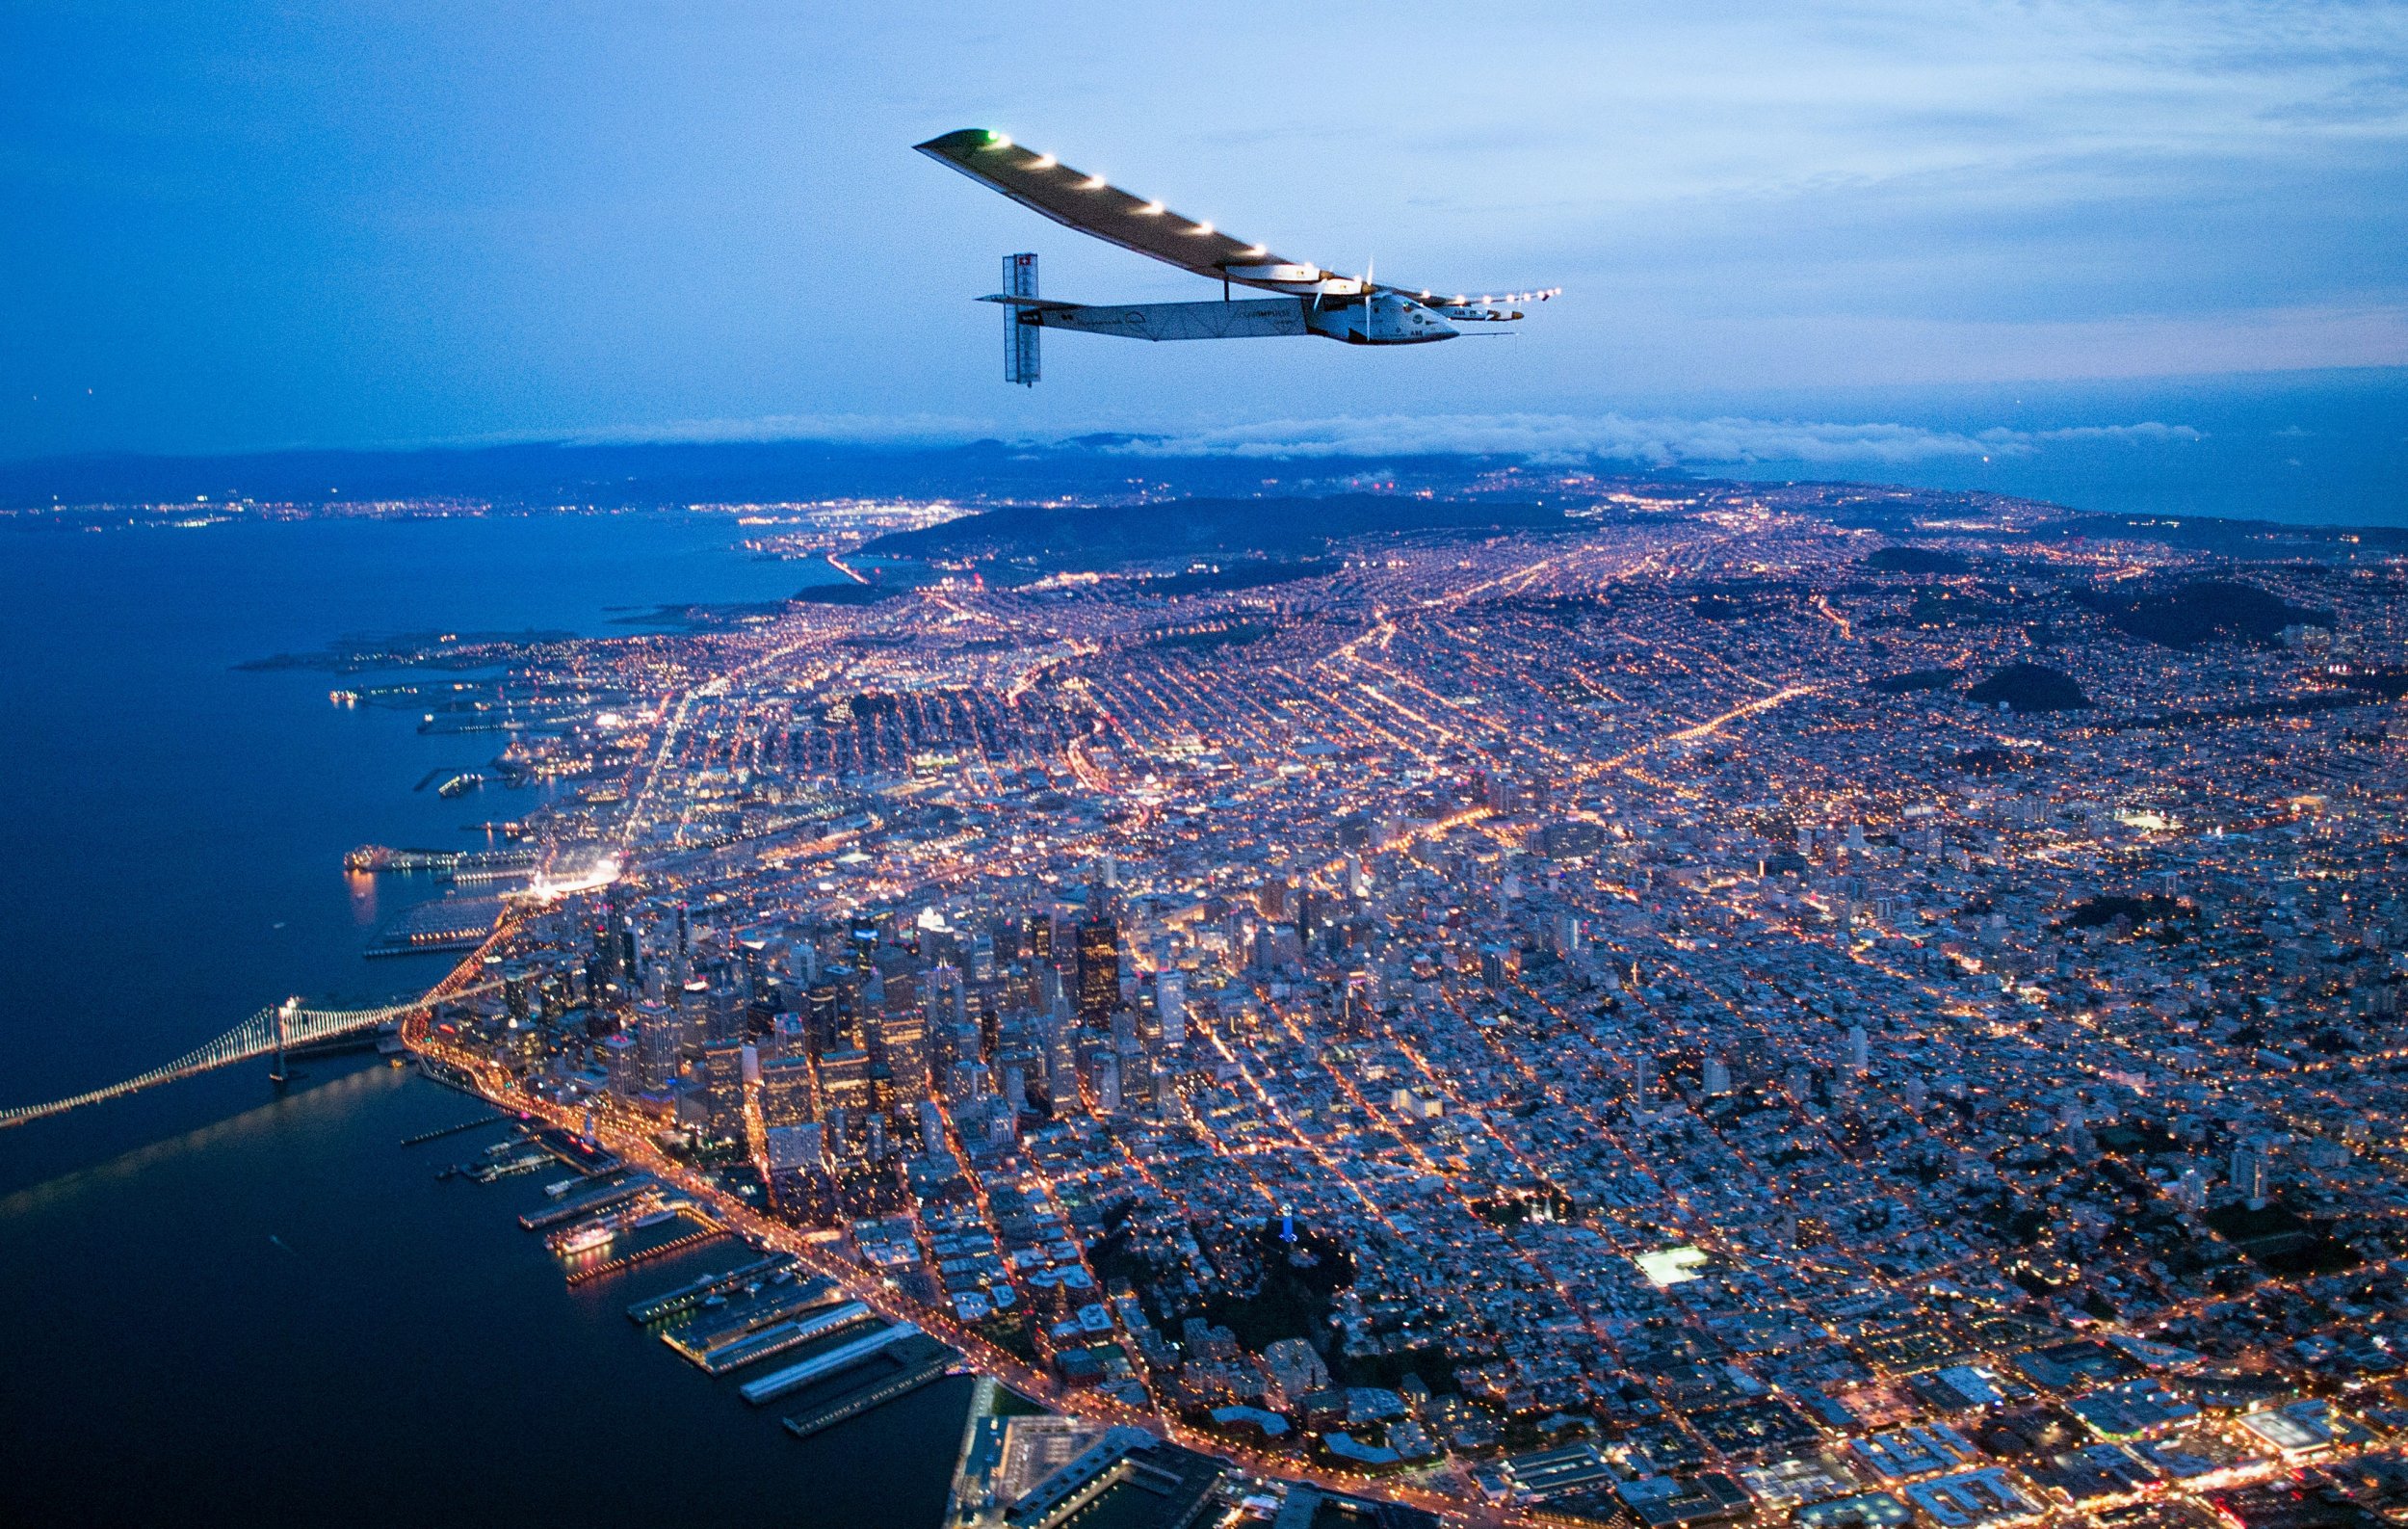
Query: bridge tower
x=284, y=1013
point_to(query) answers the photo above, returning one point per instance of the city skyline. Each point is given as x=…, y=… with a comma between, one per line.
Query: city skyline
x=1675, y=1005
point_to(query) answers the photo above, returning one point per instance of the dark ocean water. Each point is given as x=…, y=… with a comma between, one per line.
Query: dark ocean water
x=223, y=1301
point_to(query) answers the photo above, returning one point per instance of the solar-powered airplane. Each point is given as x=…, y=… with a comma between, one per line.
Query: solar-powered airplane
x=1355, y=309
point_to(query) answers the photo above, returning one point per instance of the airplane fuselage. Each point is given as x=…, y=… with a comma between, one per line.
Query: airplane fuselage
x=1382, y=319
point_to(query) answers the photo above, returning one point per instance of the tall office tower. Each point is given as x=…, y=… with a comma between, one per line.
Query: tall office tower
x=931, y=1126
x=621, y=1063
x=658, y=1045
x=1360, y=1005
x=794, y=1149
x=1107, y=1082
x=1500, y=965
x=844, y=1080
x=1061, y=1069
x=965, y=1081
x=948, y=996
x=762, y=1014
x=902, y=1048
x=722, y=1083
x=938, y=947
x=786, y=1091
x=1170, y=1006
x=964, y=1043
x=1099, y=971
x=725, y=1004
x=983, y=957
x=1716, y=1077
x=1571, y=939
x=1016, y=1088
x=1642, y=1079
x=627, y=967
x=1037, y=934
x=822, y=1022
x=2249, y=1174
x=693, y=1014
x=1859, y=1050
x=896, y=988
x=602, y=966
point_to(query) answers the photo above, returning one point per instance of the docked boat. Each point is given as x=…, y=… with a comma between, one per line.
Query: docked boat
x=585, y=1239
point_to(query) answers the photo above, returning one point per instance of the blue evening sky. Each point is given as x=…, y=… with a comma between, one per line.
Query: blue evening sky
x=237, y=224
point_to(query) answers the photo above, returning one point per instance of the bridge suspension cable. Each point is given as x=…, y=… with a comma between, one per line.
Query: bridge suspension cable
x=272, y=1031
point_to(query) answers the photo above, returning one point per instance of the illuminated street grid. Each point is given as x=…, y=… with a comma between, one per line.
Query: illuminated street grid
x=1661, y=1072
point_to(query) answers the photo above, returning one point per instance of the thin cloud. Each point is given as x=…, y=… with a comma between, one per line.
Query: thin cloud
x=1651, y=442
x=850, y=429
x=2149, y=430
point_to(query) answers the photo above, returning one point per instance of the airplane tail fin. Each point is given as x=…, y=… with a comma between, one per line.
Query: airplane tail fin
x=1020, y=335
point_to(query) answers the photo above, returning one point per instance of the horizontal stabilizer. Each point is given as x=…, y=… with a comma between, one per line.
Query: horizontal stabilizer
x=1029, y=301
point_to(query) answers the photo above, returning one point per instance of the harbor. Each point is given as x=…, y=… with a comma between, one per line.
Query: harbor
x=460, y=866
x=718, y=1355
x=728, y=1321
x=684, y=1298
x=914, y=1374
x=819, y=1367
x=643, y=1255
x=600, y=1200
x=446, y=924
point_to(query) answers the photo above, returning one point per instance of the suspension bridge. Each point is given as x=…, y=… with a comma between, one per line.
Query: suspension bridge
x=274, y=1031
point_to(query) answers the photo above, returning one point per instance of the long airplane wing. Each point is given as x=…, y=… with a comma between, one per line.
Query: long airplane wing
x=1087, y=204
